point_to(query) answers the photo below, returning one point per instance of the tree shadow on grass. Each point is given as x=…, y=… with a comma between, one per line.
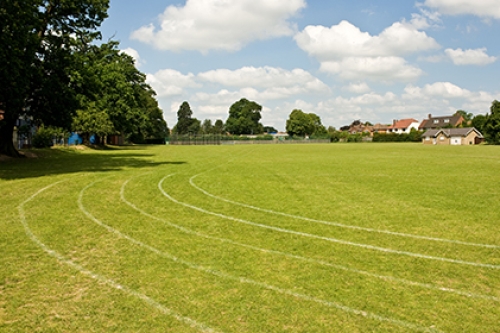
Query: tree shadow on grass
x=69, y=161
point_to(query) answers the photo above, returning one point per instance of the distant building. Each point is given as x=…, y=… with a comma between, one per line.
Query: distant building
x=403, y=126
x=452, y=136
x=380, y=128
x=441, y=122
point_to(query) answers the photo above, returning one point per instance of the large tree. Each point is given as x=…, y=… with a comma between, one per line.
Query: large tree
x=492, y=125
x=114, y=91
x=244, y=116
x=218, y=126
x=478, y=122
x=207, y=127
x=304, y=124
x=37, y=43
x=185, y=121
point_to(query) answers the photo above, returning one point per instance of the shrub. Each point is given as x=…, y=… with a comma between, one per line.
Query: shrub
x=43, y=138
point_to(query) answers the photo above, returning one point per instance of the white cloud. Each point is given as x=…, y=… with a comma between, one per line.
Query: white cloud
x=386, y=69
x=204, y=25
x=482, y=8
x=357, y=88
x=277, y=82
x=444, y=90
x=345, y=50
x=134, y=54
x=470, y=57
x=169, y=82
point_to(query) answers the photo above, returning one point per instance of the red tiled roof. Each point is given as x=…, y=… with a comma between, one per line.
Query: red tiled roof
x=403, y=123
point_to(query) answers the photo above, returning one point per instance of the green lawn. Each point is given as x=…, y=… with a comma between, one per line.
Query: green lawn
x=254, y=238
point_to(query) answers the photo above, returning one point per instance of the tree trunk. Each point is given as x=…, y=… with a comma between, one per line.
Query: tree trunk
x=6, y=136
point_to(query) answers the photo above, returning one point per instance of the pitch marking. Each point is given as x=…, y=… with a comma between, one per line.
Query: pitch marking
x=249, y=281
x=337, y=224
x=328, y=239
x=306, y=259
x=148, y=300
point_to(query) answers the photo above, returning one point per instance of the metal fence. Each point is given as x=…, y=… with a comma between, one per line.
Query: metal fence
x=191, y=140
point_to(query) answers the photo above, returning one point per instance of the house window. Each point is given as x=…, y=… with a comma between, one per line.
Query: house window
x=447, y=121
x=441, y=138
x=436, y=121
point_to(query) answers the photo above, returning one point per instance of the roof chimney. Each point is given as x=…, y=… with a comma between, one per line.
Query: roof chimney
x=430, y=116
x=394, y=121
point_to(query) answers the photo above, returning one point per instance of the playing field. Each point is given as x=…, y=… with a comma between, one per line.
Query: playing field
x=254, y=238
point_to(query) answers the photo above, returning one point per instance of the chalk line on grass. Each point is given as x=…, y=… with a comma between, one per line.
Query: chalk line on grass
x=148, y=300
x=305, y=259
x=328, y=239
x=337, y=224
x=224, y=275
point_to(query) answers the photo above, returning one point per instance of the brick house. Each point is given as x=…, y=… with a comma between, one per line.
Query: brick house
x=441, y=122
x=452, y=136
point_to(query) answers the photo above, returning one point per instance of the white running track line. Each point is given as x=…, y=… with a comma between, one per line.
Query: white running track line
x=337, y=224
x=224, y=275
x=148, y=300
x=328, y=239
x=306, y=259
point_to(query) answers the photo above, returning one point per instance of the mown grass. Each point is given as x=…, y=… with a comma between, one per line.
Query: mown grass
x=295, y=238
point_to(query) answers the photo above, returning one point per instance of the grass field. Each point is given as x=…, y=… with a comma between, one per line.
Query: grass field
x=271, y=238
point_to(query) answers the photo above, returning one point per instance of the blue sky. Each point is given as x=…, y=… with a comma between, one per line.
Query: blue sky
x=343, y=60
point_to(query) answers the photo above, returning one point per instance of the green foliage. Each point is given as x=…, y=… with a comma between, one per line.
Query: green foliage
x=244, y=117
x=305, y=124
x=207, y=126
x=218, y=127
x=270, y=129
x=186, y=124
x=195, y=126
x=37, y=82
x=115, y=97
x=413, y=136
x=43, y=138
x=478, y=122
x=184, y=118
x=492, y=124
x=466, y=115
x=93, y=121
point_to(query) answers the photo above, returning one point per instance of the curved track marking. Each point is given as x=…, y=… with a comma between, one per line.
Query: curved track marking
x=305, y=259
x=148, y=300
x=337, y=224
x=328, y=239
x=224, y=275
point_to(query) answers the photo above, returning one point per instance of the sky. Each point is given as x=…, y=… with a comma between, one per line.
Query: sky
x=343, y=60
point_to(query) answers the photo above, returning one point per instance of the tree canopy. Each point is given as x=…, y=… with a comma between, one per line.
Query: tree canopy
x=38, y=39
x=304, y=124
x=492, y=124
x=185, y=122
x=466, y=115
x=112, y=89
x=244, y=116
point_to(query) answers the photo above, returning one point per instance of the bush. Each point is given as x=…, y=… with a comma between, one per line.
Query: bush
x=413, y=136
x=43, y=138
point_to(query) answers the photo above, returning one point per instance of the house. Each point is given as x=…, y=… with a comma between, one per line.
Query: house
x=452, y=136
x=380, y=128
x=441, y=122
x=361, y=128
x=403, y=126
